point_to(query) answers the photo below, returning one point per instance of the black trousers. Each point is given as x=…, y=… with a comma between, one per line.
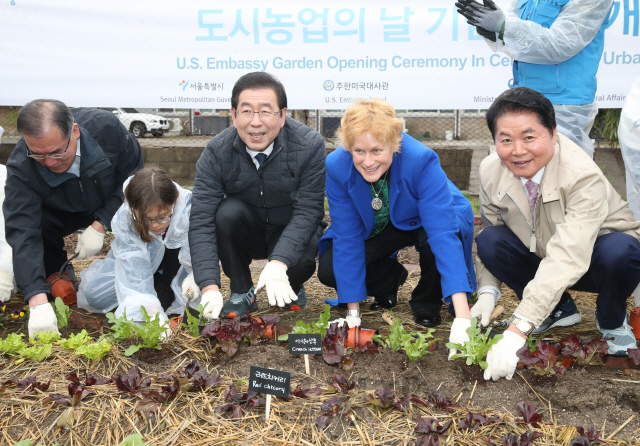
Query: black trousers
x=383, y=271
x=56, y=225
x=243, y=237
x=614, y=271
x=163, y=277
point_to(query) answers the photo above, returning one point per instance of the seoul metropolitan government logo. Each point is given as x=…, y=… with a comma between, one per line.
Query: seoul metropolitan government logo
x=328, y=85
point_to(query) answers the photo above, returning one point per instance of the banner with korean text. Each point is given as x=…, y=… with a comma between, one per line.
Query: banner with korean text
x=416, y=54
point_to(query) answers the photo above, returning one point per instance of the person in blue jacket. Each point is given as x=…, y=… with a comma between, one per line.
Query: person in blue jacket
x=556, y=46
x=387, y=191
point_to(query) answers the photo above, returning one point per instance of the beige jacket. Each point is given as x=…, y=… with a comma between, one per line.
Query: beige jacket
x=576, y=205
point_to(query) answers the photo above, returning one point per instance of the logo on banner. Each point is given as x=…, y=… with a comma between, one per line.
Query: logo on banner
x=328, y=85
x=183, y=84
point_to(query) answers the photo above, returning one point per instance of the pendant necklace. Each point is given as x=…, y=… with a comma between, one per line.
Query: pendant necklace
x=376, y=203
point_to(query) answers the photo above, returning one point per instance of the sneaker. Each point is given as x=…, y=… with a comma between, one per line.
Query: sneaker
x=623, y=338
x=239, y=304
x=565, y=316
x=299, y=304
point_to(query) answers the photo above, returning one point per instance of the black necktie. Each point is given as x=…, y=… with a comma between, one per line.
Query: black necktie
x=261, y=158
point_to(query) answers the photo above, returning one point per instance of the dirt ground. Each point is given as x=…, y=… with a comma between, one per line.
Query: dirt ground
x=585, y=396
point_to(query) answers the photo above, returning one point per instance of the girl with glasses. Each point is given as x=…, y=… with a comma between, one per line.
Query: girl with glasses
x=149, y=258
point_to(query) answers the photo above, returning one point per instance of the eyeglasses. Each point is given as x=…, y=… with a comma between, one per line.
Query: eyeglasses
x=53, y=156
x=265, y=115
x=162, y=219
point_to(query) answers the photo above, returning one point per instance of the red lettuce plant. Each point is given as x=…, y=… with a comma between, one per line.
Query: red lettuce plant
x=529, y=414
x=333, y=350
x=545, y=360
x=89, y=379
x=429, y=431
x=329, y=408
x=386, y=399
x=237, y=402
x=194, y=378
x=340, y=384
x=76, y=395
x=525, y=439
x=132, y=381
x=304, y=390
x=153, y=400
x=473, y=421
x=584, y=354
x=228, y=334
x=439, y=400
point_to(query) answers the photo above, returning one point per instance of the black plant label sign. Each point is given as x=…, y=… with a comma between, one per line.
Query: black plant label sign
x=269, y=381
x=305, y=344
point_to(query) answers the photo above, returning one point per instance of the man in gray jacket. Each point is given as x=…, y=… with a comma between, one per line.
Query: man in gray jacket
x=258, y=194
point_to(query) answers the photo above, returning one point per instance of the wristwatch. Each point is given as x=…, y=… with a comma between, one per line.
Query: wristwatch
x=524, y=327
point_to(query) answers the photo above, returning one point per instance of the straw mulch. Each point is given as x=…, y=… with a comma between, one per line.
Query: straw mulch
x=109, y=416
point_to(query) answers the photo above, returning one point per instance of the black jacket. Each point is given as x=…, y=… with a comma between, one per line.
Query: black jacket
x=288, y=190
x=109, y=155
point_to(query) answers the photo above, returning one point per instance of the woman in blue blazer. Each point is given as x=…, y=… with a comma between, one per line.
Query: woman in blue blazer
x=387, y=191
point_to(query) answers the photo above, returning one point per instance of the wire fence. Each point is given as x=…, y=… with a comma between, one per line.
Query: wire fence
x=194, y=127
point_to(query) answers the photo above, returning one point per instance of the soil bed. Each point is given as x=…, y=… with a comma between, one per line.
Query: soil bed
x=585, y=396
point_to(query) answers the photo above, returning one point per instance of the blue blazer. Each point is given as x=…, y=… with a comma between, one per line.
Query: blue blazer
x=420, y=195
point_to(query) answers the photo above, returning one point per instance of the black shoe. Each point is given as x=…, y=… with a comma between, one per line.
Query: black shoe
x=390, y=301
x=428, y=320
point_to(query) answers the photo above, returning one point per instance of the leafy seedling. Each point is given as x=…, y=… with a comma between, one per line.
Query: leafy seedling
x=529, y=414
x=121, y=327
x=333, y=406
x=588, y=437
x=304, y=390
x=526, y=439
x=340, y=384
x=252, y=329
x=477, y=347
x=333, y=349
x=13, y=344
x=95, y=351
x=418, y=344
x=237, y=402
x=75, y=340
x=474, y=421
x=132, y=381
x=228, y=334
x=386, y=399
x=45, y=337
x=72, y=414
x=89, y=380
x=437, y=399
x=429, y=431
x=544, y=360
x=320, y=326
x=590, y=353
x=30, y=384
x=37, y=353
x=193, y=322
x=397, y=338
x=195, y=378
x=634, y=354
x=153, y=400
x=62, y=312
x=149, y=332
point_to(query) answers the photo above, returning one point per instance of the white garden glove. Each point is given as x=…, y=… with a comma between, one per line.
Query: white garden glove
x=190, y=289
x=90, y=242
x=351, y=321
x=459, y=333
x=42, y=318
x=274, y=278
x=212, y=303
x=6, y=286
x=502, y=359
x=483, y=308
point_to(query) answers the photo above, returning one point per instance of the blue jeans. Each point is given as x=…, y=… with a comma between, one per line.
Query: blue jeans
x=614, y=271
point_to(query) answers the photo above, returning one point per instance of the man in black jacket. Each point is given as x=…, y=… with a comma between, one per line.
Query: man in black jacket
x=258, y=194
x=66, y=173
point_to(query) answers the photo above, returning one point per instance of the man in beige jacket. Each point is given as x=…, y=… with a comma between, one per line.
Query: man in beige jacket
x=551, y=221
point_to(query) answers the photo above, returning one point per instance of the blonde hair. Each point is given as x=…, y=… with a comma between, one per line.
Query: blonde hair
x=372, y=116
